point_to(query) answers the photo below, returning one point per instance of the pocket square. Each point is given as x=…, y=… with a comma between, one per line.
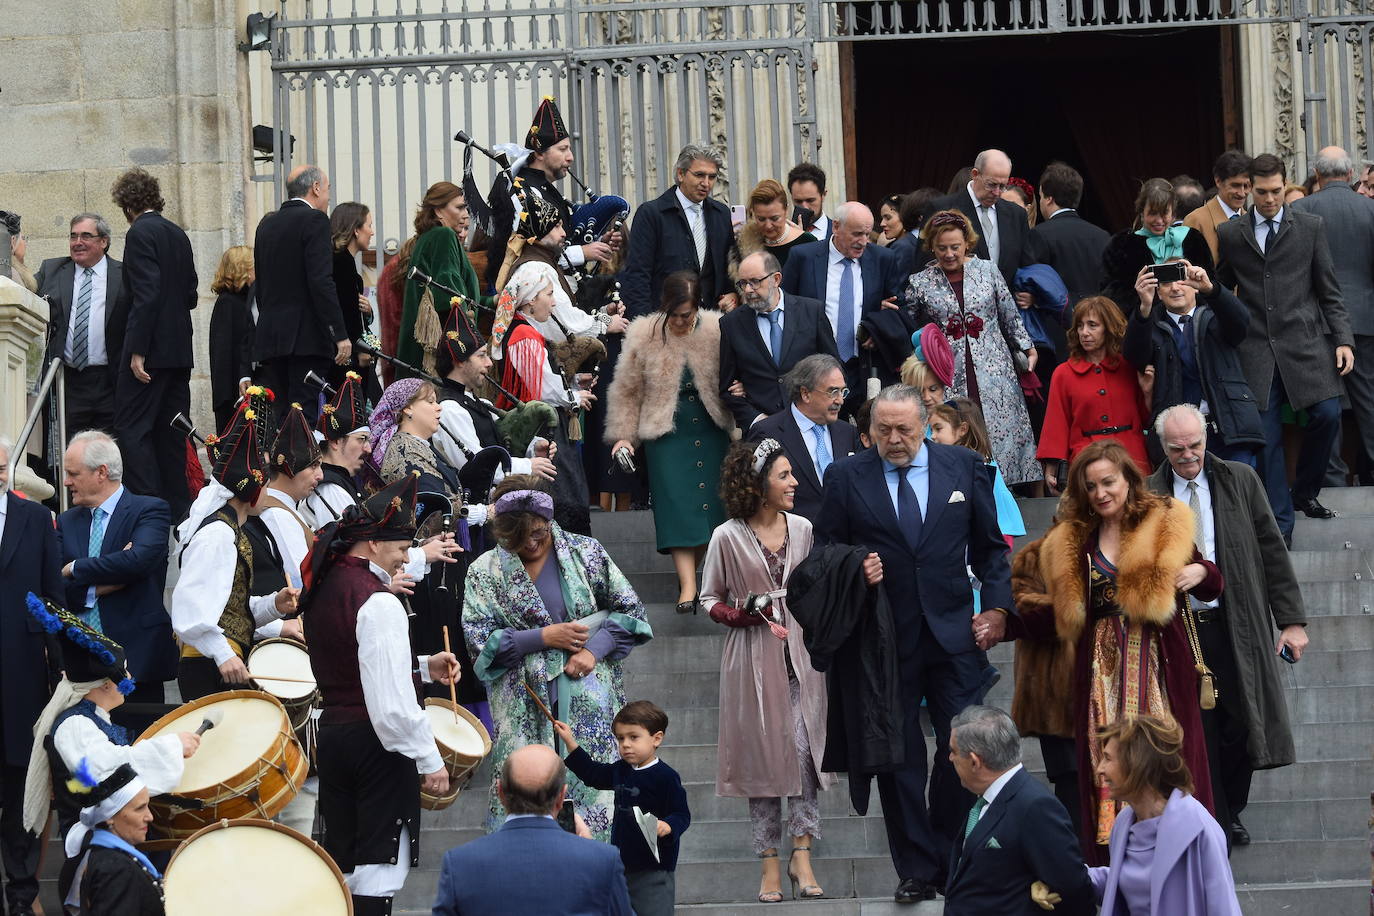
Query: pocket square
x=957, y=496
x=992, y=844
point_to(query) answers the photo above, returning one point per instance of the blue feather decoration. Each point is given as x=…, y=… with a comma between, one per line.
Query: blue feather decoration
x=40, y=612
x=83, y=776
x=125, y=686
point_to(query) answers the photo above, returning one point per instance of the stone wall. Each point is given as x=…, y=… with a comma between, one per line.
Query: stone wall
x=88, y=90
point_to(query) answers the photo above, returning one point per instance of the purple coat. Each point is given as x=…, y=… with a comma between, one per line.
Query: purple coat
x=1190, y=875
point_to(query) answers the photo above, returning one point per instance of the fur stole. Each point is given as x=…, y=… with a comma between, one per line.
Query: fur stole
x=1042, y=698
x=643, y=396
x=1152, y=553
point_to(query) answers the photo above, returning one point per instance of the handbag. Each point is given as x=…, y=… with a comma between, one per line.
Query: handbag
x=1207, y=687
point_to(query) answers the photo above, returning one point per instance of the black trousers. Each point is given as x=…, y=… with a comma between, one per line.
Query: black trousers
x=154, y=453
x=90, y=399
x=199, y=677
x=18, y=848
x=285, y=375
x=1061, y=769
x=919, y=837
x=1224, y=727
x=367, y=794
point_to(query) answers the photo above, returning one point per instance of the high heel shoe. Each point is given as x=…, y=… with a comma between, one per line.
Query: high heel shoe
x=689, y=607
x=805, y=891
x=769, y=896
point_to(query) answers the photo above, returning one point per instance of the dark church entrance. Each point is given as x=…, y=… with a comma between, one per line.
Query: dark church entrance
x=1118, y=106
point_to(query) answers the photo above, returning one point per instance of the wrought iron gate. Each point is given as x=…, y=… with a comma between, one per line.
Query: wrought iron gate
x=1336, y=43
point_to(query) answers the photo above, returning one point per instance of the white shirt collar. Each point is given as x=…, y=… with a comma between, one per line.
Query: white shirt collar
x=1277, y=217
x=1063, y=210
x=974, y=197
x=516, y=817
x=804, y=423
x=684, y=202
x=279, y=496
x=991, y=792
x=1174, y=317
x=645, y=766
x=1225, y=208
x=99, y=268
x=111, y=501
x=379, y=572
x=1181, y=483
x=836, y=256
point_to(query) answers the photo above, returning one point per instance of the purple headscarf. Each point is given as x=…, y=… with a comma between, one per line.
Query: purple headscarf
x=387, y=417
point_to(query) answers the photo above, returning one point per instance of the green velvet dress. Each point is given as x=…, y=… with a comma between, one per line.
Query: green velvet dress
x=684, y=473
x=438, y=254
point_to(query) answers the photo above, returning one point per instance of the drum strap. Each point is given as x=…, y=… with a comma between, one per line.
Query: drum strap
x=268, y=501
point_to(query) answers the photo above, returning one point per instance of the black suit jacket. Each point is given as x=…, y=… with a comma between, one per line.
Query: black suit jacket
x=1017, y=247
x=160, y=272
x=1024, y=836
x=744, y=356
x=231, y=346
x=298, y=304
x=782, y=426
x=57, y=280
x=661, y=243
x=28, y=563
x=1073, y=247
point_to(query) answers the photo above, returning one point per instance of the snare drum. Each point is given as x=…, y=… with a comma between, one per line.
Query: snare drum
x=462, y=745
x=250, y=764
x=285, y=658
x=251, y=866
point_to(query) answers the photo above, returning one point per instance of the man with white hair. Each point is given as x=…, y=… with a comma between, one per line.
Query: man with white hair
x=114, y=560
x=28, y=563
x=1004, y=238
x=1248, y=730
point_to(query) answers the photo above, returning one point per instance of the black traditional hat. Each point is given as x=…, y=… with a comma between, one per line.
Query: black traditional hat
x=295, y=448
x=390, y=512
x=547, y=129
x=460, y=337
x=345, y=416
x=236, y=455
x=87, y=654
x=539, y=216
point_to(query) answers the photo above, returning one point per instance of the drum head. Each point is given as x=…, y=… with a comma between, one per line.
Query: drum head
x=249, y=866
x=467, y=737
x=286, y=658
x=252, y=723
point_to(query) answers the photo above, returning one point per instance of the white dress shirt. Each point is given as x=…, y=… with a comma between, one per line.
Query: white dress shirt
x=286, y=530
x=4, y=509
x=95, y=341
x=805, y=424
x=765, y=325
x=108, y=507
x=821, y=227
x=832, y=291
x=1209, y=531
x=1262, y=230
x=327, y=504
x=384, y=665
x=991, y=792
x=989, y=232
x=202, y=591
x=157, y=761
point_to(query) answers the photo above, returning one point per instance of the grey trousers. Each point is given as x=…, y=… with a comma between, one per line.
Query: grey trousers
x=652, y=893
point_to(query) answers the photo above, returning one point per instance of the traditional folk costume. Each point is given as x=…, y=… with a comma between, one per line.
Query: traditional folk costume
x=214, y=611
x=113, y=878
x=374, y=738
x=503, y=614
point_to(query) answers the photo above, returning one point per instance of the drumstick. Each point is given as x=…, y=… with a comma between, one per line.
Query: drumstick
x=534, y=696
x=285, y=680
x=452, y=687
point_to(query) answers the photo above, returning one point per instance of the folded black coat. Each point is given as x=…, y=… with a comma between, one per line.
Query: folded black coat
x=848, y=629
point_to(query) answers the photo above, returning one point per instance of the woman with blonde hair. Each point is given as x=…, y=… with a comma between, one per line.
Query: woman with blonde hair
x=769, y=226
x=231, y=332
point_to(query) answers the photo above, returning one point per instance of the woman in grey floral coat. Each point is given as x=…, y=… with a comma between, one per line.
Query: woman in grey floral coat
x=967, y=298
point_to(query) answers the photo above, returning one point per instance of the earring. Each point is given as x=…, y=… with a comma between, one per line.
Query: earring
x=408, y=415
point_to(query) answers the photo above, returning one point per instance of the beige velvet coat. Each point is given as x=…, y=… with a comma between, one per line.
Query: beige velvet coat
x=758, y=753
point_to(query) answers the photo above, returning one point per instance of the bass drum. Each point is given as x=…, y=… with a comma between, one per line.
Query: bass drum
x=252, y=867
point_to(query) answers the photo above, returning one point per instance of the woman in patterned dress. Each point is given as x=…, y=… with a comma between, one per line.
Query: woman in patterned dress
x=967, y=298
x=549, y=611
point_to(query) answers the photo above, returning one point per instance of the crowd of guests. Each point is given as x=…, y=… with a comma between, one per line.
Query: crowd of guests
x=830, y=415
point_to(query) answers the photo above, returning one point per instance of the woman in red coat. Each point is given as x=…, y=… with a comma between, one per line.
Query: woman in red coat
x=1094, y=394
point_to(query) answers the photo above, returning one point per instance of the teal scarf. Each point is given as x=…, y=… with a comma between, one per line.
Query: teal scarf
x=1166, y=246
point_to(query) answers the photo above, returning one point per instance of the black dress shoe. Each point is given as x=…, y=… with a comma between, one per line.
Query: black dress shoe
x=1312, y=509
x=1239, y=835
x=913, y=890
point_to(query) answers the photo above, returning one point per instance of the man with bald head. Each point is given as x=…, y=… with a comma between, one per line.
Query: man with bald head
x=1349, y=219
x=300, y=325
x=531, y=865
x=1004, y=235
x=852, y=278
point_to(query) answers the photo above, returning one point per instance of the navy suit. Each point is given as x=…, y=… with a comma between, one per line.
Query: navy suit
x=560, y=874
x=745, y=357
x=133, y=616
x=1024, y=836
x=28, y=563
x=932, y=607
x=661, y=243
x=782, y=426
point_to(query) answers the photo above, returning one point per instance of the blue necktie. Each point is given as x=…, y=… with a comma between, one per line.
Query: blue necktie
x=81, y=322
x=844, y=315
x=775, y=334
x=92, y=616
x=1273, y=231
x=908, y=509
x=822, y=451
x=1184, y=338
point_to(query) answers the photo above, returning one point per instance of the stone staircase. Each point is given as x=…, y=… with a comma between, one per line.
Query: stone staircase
x=1309, y=822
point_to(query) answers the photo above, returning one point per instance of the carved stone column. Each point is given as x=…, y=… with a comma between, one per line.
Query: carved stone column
x=23, y=319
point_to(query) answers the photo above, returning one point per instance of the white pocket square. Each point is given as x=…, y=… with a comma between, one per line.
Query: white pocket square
x=957, y=496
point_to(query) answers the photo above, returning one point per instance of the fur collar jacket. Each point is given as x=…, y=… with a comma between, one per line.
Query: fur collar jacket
x=1152, y=553
x=643, y=396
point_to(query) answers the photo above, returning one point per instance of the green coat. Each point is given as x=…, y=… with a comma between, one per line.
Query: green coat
x=1261, y=595
x=438, y=254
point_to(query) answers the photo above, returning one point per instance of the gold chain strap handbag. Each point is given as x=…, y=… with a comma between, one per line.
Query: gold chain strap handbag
x=1207, y=682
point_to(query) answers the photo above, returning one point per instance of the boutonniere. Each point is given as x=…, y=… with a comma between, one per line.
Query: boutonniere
x=957, y=496
x=992, y=844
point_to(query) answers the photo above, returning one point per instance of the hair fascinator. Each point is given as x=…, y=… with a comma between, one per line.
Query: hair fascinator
x=536, y=501
x=763, y=451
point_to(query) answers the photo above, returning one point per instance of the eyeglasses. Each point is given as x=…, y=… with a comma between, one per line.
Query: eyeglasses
x=998, y=186
x=834, y=394
x=83, y=237
x=538, y=534
x=747, y=284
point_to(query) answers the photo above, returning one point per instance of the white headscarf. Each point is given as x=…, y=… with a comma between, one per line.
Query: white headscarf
x=38, y=782
x=96, y=815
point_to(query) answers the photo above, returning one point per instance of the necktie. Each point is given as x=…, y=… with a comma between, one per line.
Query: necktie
x=1198, y=541
x=1185, y=339
x=775, y=334
x=844, y=314
x=81, y=321
x=92, y=616
x=988, y=219
x=908, y=509
x=973, y=814
x=699, y=234
x=1273, y=231
x=822, y=451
